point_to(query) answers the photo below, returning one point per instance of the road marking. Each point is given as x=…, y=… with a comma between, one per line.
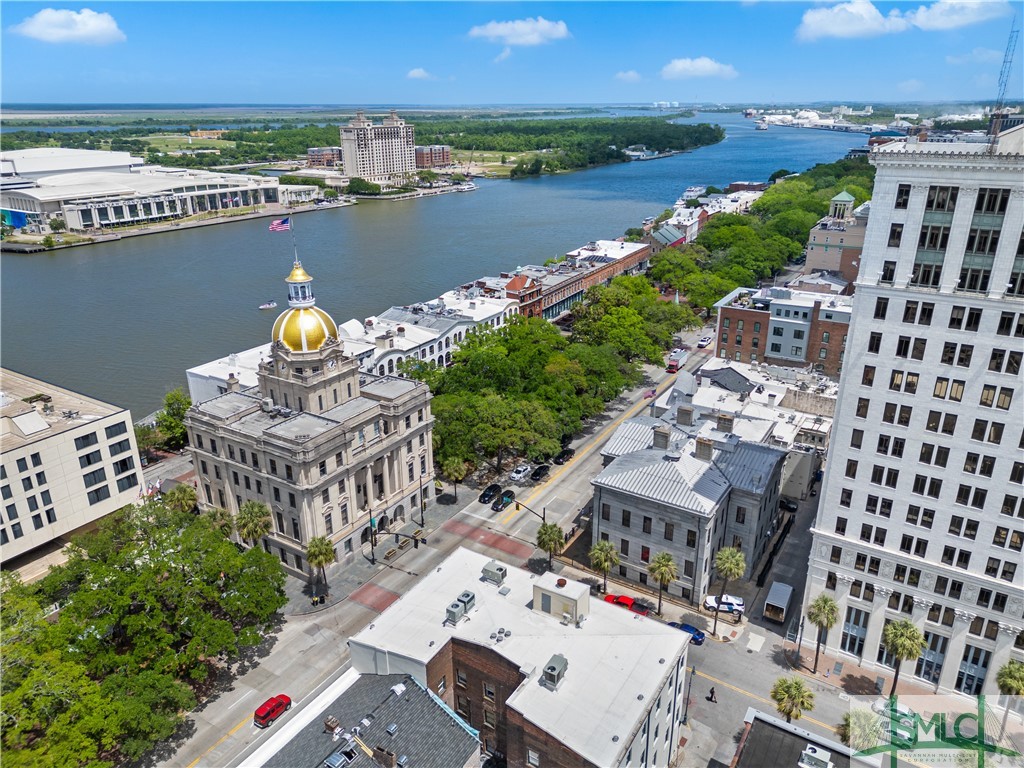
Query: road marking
x=769, y=702
x=220, y=741
x=584, y=451
x=754, y=642
x=251, y=691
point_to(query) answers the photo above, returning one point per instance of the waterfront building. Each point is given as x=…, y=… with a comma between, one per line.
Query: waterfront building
x=434, y=156
x=93, y=190
x=688, y=496
x=67, y=461
x=323, y=157
x=546, y=674
x=922, y=506
x=836, y=241
x=382, y=153
x=332, y=451
x=783, y=327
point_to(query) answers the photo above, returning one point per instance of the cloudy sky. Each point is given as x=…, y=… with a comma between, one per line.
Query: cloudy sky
x=504, y=53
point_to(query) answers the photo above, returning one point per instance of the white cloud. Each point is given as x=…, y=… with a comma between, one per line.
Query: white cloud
x=61, y=26
x=679, y=69
x=630, y=76
x=977, y=56
x=910, y=86
x=505, y=53
x=953, y=14
x=860, y=18
x=857, y=18
x=522, y=31
x=419, y=73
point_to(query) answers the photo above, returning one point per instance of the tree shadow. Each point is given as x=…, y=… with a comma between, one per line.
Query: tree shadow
x=447, y=499
x=538, y=565
x=163, y=752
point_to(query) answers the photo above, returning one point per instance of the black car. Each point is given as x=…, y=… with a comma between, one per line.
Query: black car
x=564, y=456
x=788, y=504
x=540, y=473
x=490, y=493
x=506, y=498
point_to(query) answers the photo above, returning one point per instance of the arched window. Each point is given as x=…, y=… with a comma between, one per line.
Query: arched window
x=391, y=366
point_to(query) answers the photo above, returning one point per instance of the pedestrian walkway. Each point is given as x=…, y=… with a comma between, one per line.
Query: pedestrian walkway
x=846, y=675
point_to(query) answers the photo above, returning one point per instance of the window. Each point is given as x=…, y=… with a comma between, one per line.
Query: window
x=624, y=547
x=845, y=497
x=868, y=376
x=488, y=690
x=97, y=495
x=669, y=531
x=941, y=198
x=862, y=407
x=856, y=438
x=895, y=235
x=645, y=555
x=881, y=307
x=691, y=538
x=532, y=758
x=647, y=524
x=80, y=442
x=902, y=196
x=625, y=518
x=874, y=342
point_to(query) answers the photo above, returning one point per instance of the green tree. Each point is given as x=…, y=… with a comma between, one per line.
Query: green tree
x=551, y=539
x=730, y=564
x=603, y=557
x=48, y=242
x=779, y=174
x=823, y=613
x=357, y=186
x=253, y=521
x=792, y=697
x=1010, y=680
x=904, y=642
x=427, y=176
x=147, y=437
x=330, y=194
x=861, y=728
x=57, y=225
x=171, y=420
x=455, y=469
x=624, y=328
x=320, y=554
x=663, y=570
x=221, y=520
x=703, y=289
x=181, y=498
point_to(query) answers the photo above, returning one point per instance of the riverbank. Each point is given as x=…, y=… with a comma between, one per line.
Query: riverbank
x=419, y=193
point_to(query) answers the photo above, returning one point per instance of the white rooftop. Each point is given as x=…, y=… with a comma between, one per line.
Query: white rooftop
x=605, y=250
x=613, y=657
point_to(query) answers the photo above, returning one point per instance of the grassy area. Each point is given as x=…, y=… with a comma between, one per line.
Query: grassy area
x=489, y=162
x=169, y=143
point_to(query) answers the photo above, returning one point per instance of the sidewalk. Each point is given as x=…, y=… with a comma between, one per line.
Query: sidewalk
x=846, y=675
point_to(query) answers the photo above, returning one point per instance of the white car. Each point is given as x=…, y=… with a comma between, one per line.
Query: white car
x=520, y=473
x=705, y=341
x=730, y=603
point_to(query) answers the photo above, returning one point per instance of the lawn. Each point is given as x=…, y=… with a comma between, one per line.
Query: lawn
x=169, y=143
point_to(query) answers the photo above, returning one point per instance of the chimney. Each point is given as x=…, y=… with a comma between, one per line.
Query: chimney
x=705, y=449
x=684, y=416
x=725, y=421
x=232, y=383
x=401, y=331
x=661, y=433
x=771, y=399
x=384, y=757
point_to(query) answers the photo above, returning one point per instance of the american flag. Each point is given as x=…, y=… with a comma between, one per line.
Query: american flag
x=280, y=225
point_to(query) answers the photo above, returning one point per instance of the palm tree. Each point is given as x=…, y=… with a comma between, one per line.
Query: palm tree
x=730, y=564
x=455, y=469
x=221, y=520
x=1010, y=679
x=823, y=613
x=792, y=698
x=904, y=642
x=861, y=728
x=320, y=554
x=551, y=539
x=604, y=557
x=253, y=521
x=181, y=498
x=663, y=569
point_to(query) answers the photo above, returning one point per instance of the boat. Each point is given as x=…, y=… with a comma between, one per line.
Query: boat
x=762, y=126
x=468, y=186
x=691, y=193
x=269, y=305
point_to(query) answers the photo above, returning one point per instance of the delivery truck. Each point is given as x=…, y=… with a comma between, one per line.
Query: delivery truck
x=776, y=605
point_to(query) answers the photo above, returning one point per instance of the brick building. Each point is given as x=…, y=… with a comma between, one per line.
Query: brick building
x=433, y=156
x=323, y=157
x=836, y=241
x=784, y=327
x=548, y=676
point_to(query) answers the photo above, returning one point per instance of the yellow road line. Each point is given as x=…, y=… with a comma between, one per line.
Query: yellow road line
x=220, y=741
x=763, y=700
x=583, y=452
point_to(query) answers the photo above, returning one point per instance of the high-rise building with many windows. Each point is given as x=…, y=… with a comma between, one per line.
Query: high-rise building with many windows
x=378, y=152
x=922, y=509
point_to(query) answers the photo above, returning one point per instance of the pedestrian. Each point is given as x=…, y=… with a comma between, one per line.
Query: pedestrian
x=711, y=696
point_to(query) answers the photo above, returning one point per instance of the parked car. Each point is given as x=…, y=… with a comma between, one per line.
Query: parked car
x=564, y=456
x=270, y=710
x=698, y=636
x=540, y=473
x=730, y=603
x=627, y=602
x=788, y=504
x=506, y=498
x=490, y=493
x=705, y=341
x=520, y=473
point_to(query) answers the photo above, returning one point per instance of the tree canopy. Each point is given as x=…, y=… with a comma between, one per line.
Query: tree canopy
x=171, y=420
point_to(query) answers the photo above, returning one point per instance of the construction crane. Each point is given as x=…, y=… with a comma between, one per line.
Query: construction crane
x=1004, y=76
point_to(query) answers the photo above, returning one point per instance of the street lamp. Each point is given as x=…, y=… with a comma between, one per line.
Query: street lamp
x=689, y=689
x=423, y=503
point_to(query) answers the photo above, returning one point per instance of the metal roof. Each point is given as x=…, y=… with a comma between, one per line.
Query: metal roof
x=687, y=483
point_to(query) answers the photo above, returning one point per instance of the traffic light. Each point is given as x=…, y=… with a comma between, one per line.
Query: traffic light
x=517, y=506
x=415, y=543
x=396, y=538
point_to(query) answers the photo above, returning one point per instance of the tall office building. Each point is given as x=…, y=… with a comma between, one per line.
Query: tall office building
x=922, y=509
x=381, y=152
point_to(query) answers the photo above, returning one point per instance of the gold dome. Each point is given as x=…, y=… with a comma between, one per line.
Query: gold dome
x=298, y=275
x=304, y=329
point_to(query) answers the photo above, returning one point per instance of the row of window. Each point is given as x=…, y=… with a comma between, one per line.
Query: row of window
x=37, y=523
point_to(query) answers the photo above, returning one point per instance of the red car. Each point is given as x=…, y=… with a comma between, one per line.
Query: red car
x=270, y=710
x=627, y=602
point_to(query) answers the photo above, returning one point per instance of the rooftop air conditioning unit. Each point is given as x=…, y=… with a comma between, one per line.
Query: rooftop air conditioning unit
x=455, y=612
x=468, y=600
x=554, y=671
x=495, y=572
x=268, y=405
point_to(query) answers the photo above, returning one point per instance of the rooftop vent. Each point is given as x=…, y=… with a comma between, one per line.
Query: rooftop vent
x=815, y=757
x=402, y=761
x=392, y=729
x=398, y=689
x=468, y=600
x=455, y=612
x=495, y=572
x=554, y=671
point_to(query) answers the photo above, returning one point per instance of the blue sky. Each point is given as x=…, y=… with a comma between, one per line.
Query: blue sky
x=505, y=53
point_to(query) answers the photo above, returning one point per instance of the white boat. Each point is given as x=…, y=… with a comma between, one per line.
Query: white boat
x=691, y=193
x=269, y=305
x=469, y=186
x=762, y=126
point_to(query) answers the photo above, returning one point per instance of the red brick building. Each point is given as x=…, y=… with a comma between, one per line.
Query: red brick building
x=434, y=156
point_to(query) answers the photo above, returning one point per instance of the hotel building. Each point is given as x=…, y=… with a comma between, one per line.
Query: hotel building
x=378, y=152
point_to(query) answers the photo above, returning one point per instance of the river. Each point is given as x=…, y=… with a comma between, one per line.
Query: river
x=122, y=321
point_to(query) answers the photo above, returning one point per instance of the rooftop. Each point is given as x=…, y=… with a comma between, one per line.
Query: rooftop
x=770, y=742
x=617, y=660
x=54, y=409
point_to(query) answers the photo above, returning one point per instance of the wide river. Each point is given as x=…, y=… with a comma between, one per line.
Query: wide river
x=123, y=321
